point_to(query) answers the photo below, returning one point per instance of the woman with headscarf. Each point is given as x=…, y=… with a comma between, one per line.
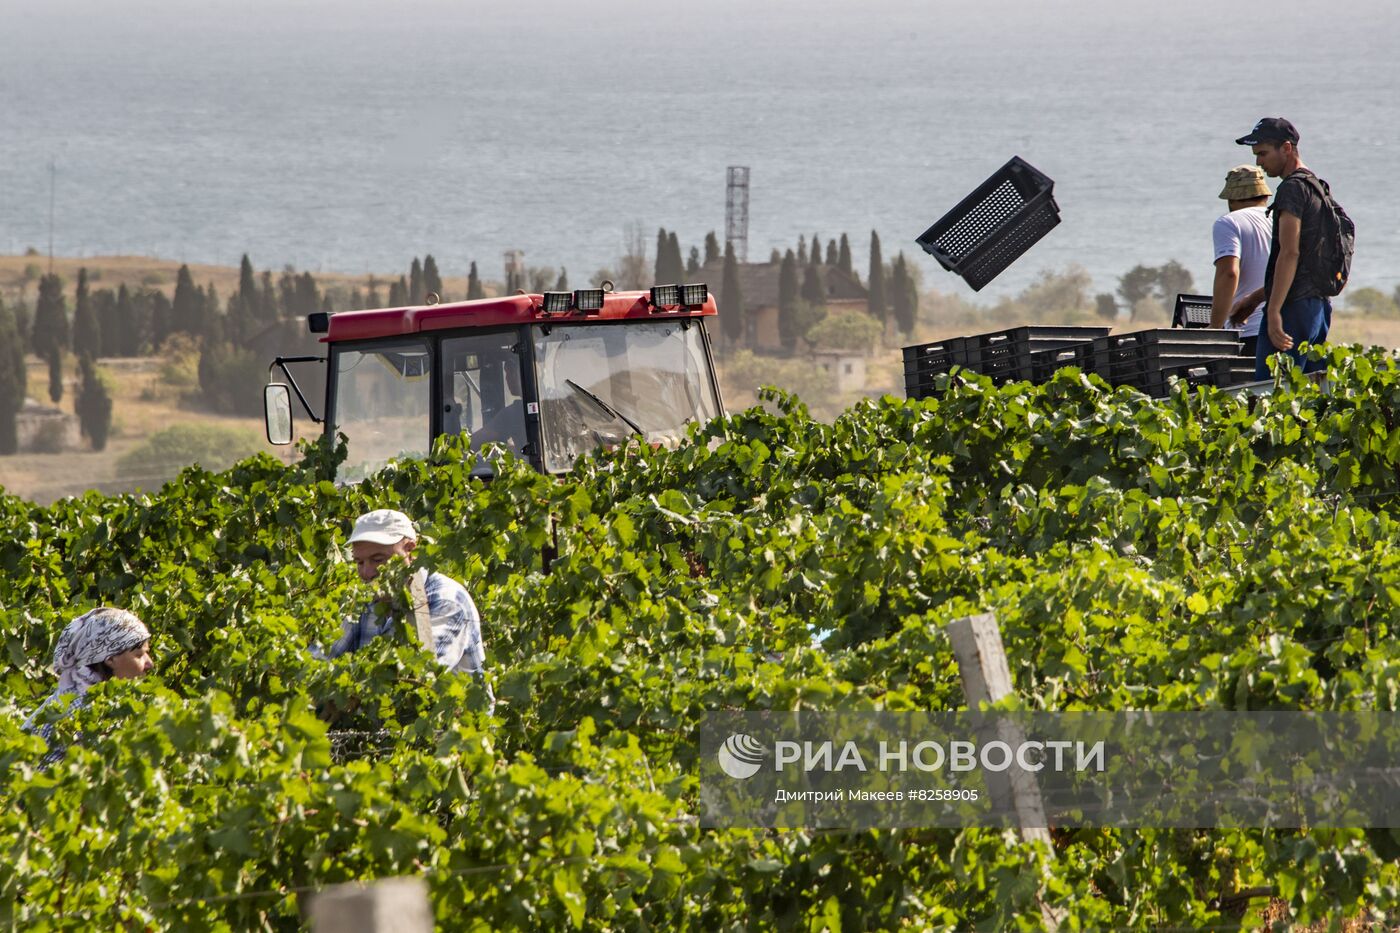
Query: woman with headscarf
x=96, y=646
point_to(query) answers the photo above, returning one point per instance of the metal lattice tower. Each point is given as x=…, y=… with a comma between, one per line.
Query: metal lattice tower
x=736, y=211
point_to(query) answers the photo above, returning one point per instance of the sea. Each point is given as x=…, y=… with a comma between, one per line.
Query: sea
x=354, y=136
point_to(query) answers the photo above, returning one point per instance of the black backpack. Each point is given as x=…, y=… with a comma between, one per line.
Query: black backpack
x=1336, y=241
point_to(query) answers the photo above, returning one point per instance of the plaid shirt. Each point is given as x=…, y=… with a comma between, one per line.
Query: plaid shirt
x=455, y=622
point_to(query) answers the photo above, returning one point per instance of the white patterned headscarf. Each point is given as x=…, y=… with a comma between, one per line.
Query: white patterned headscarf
x=90, y=639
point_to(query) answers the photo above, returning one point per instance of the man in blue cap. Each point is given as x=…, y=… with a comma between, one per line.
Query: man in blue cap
x=1296, y=309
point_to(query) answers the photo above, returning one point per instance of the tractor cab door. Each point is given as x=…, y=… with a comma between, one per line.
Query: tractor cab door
x=483, y=391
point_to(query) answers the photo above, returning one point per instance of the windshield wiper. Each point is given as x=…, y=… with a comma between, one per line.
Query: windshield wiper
x=613, y=412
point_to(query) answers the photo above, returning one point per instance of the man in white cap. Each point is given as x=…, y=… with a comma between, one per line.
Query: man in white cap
x=456, y=627
x=1241, y=238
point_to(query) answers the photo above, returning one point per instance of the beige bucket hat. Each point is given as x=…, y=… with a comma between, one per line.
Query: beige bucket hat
x=1245, y=182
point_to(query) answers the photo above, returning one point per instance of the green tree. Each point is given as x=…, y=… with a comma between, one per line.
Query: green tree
x=87, y=329
x=13, y=379
x=308, y=296
x=731, y=300
x=432, y=282
x=775, y=257
x=1106, y=306
x=801, y=250
x=104, y=308
x=561, y=284
x=245, y=310
x=692, y=262
x=51, y=333
x=661, y=267
x=855, y=331
x=1371, y=302
x=287, y=292
x=24, y=324
x=267, y=303
x=94, y=404
x=474, y=289
x=371, y=299
x=833, y=256
x=188, y=307
x=675, y=262
x=815, y=253
x=712, y=251
x=904, y=296
x=1173, y=279
x=813, y=289
x=843, y=258
x=415, y=282
x=1136, y=284
x=158, y=317
x=788, y=298
x=398, y=293
x=876, y=300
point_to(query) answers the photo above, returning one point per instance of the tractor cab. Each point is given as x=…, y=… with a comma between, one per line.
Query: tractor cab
x=550, y=376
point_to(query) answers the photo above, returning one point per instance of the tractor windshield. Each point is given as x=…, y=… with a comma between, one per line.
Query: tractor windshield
x=382, y=404
x=602, y=383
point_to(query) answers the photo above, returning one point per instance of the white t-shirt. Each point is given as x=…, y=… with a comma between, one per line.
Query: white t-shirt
x=1246, y=235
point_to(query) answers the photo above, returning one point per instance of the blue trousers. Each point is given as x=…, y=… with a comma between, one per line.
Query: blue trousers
x=1305, y=320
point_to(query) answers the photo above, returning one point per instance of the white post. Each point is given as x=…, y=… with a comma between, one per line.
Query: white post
x=986, y=677
x=388, y=905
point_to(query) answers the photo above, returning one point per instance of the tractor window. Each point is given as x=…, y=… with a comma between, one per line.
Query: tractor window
x=481, y=376
x=602, y=383
x=382, y=401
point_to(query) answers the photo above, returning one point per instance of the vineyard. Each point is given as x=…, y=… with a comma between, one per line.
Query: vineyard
x=1202, y=551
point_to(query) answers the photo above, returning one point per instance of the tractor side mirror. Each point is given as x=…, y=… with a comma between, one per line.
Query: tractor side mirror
x=277, y=414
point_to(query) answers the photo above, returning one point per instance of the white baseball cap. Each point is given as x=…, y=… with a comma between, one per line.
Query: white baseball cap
x=383, y=526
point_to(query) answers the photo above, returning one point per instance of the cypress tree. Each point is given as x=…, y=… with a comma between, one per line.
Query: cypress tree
x=326, y=304
x=51, y=333
x=120, y=333
x=157, y=315
x=188, y=306
x=357, y=298
x=801, y=250
x=474, y=289
x=731, y=299
x=692, y=262
x=843, y=258
x=876, y=301
x=432, y=282
x=87, y=331
x=94, y=404
x=371, y=294
x=775, y=257
x=245, y=311
x=816, y=252
x=813, y=291
x=562, y=283
x=24, y=323
x=415, y=282
x=787, y=300
x=13, y=379
x=267, y=302
x=832, y=256
x=712, y=247
x=308, y=296
x=55, y=360
x=902, y=298
x=215, y=321
x=398, y=293
x=287, y=293
x=675, y=262
x=104, y=307
x=660, y=267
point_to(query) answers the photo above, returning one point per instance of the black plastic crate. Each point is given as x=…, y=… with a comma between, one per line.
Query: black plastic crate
x=1045, y=362
x=1021, y=342
x=995, y=224
x=1146, y=348
x=935, y=357
x=1192, y=311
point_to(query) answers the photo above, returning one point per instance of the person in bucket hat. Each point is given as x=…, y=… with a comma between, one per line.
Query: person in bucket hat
x=1241, y=237
x=381, y=535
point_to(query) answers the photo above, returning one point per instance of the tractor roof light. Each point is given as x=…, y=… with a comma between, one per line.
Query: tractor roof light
x=588, y=300
x=558, y=302
x=665, y=296
x=318, y=322
x=693, y=296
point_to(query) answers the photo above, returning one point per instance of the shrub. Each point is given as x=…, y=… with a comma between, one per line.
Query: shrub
x=212, y=446
x=180, y=361
x=231, y=379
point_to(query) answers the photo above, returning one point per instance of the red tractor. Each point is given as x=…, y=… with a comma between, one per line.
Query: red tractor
x=548, y=376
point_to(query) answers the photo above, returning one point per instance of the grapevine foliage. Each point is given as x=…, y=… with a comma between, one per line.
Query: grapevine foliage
x=1198, y=552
